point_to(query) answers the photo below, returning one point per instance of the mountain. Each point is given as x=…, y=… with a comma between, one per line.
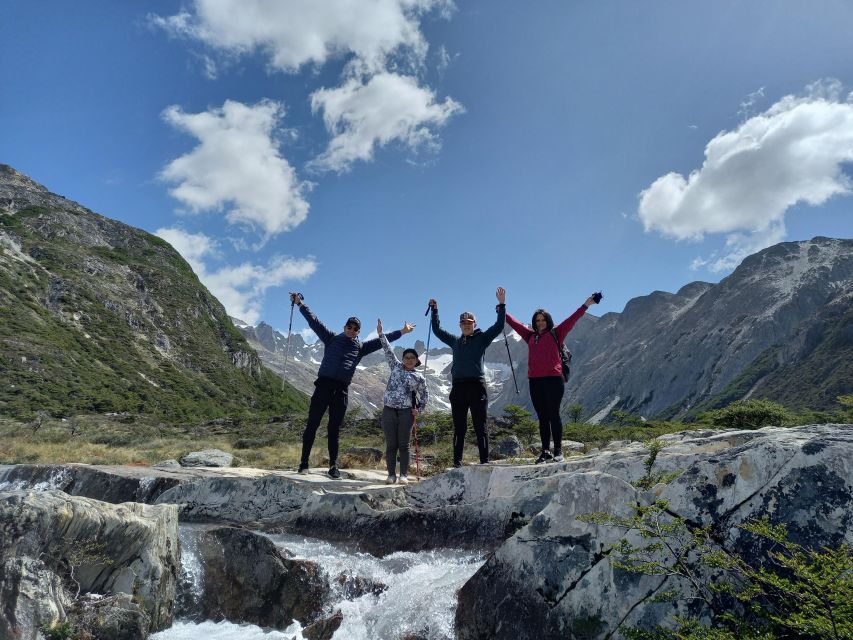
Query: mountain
x=784, y=312
x=99, y=316
x=779, y=327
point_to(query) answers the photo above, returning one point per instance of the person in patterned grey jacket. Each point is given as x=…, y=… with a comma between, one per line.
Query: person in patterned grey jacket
x=399, y=413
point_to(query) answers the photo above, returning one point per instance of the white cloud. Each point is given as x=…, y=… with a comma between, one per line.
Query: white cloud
x=240, y=289
x=388, y=107
x=237, y=167
x=294, y=33
x=380, y=99
x=792, y=153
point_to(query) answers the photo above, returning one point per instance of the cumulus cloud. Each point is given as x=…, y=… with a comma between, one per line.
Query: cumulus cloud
x=294, y=33
x=237, y=167
x=794, y=152
x=388, y=107
x=242, y=288
x=379, y=99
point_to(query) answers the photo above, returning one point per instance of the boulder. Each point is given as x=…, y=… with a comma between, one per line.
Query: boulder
x=56, y=547
x=323, y=629
x=362, y=455
x=207, y=458
x=508, y=448
x=572, y=445
x=246, y=578
x=170, y=464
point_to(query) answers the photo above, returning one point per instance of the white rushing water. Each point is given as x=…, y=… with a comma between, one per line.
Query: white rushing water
x=420, y=598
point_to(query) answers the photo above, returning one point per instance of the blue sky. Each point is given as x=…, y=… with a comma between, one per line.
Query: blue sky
x=376, y=154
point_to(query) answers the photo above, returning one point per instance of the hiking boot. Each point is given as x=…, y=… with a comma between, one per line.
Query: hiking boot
x=558, y=456
x=403, y=480
x=303, y=467
x=545, y=456
x=334, y=473
x=457, y=464
x=391, y=479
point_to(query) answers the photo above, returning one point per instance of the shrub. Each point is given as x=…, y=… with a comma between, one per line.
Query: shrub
x=750, y=414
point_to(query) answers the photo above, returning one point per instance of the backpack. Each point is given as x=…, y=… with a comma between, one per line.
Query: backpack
x=565, y=355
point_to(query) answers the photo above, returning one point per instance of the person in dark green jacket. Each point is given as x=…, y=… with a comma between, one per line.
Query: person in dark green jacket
x=469, y=381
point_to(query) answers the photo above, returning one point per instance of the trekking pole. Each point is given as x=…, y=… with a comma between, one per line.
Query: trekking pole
x=429, y=333
x=289, y=329
x=511, y=368
x=417, y=443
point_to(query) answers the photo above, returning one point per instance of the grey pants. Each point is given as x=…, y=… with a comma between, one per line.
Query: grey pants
x=397, y=425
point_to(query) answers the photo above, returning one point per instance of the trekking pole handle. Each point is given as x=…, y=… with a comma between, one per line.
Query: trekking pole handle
x=297, y=295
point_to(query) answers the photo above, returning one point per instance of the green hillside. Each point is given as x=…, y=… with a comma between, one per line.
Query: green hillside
x=96, y=316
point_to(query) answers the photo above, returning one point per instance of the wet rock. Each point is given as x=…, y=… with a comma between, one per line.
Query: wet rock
x=132, y=484
x=207, y=458
x=353, y=587
x=248, y=579
x=323, y=629
x=56, y=545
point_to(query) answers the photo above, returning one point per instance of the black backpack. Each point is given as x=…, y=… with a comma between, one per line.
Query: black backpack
x=565, y=355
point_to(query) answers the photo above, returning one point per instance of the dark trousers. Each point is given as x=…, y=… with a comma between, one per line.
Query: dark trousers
x=332, y=395
x=546, y=395
x=465, y=395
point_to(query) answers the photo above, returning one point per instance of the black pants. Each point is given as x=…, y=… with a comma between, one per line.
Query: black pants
x=332, y=395
x=464, y=395
x=546, y=395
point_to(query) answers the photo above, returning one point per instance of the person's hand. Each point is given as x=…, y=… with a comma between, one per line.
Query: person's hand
x=296, y=298
x=501, y=295
x=407, y=328
x=378, y=325
x=590, y=301
x=433, y=304
x=415, y=412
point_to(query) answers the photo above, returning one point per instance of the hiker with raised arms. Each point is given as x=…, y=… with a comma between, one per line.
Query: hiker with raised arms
x=343, y=352
x=405, y=385
x=468, y=391
x=545, y=372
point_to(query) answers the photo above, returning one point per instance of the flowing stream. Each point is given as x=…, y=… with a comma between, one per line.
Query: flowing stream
x=419, y=601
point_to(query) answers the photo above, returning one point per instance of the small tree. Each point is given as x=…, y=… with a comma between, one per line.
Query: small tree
x=750, y=414
x=521, y=422
x=575, y=411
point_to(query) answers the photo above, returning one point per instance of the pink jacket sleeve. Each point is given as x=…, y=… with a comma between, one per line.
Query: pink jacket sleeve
x=520, y=328
x=566, y=325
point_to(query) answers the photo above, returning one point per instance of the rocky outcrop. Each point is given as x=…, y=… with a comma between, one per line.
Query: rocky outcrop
x=546, y=569
x=554, y=573
x=246, y=578
x=56, y=547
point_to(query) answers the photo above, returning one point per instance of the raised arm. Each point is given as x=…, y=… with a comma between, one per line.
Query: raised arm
x=568, y=324
x=447, y=338
x=372, y=345
x=521, y=329
x=494, y=331
x=389, y=352
x=317, y=327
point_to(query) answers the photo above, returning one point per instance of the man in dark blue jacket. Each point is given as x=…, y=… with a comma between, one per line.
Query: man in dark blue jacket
x=342, y=354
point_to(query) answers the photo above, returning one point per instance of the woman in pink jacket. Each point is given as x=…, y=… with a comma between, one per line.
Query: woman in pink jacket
x=545, y=373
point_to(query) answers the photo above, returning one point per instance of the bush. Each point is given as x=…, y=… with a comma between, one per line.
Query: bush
x=750, y=414
x=793, y=593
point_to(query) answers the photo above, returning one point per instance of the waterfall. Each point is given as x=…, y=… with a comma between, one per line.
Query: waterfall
x=402, y=594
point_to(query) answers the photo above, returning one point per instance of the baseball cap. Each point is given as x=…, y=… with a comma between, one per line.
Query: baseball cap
x=467, y=316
